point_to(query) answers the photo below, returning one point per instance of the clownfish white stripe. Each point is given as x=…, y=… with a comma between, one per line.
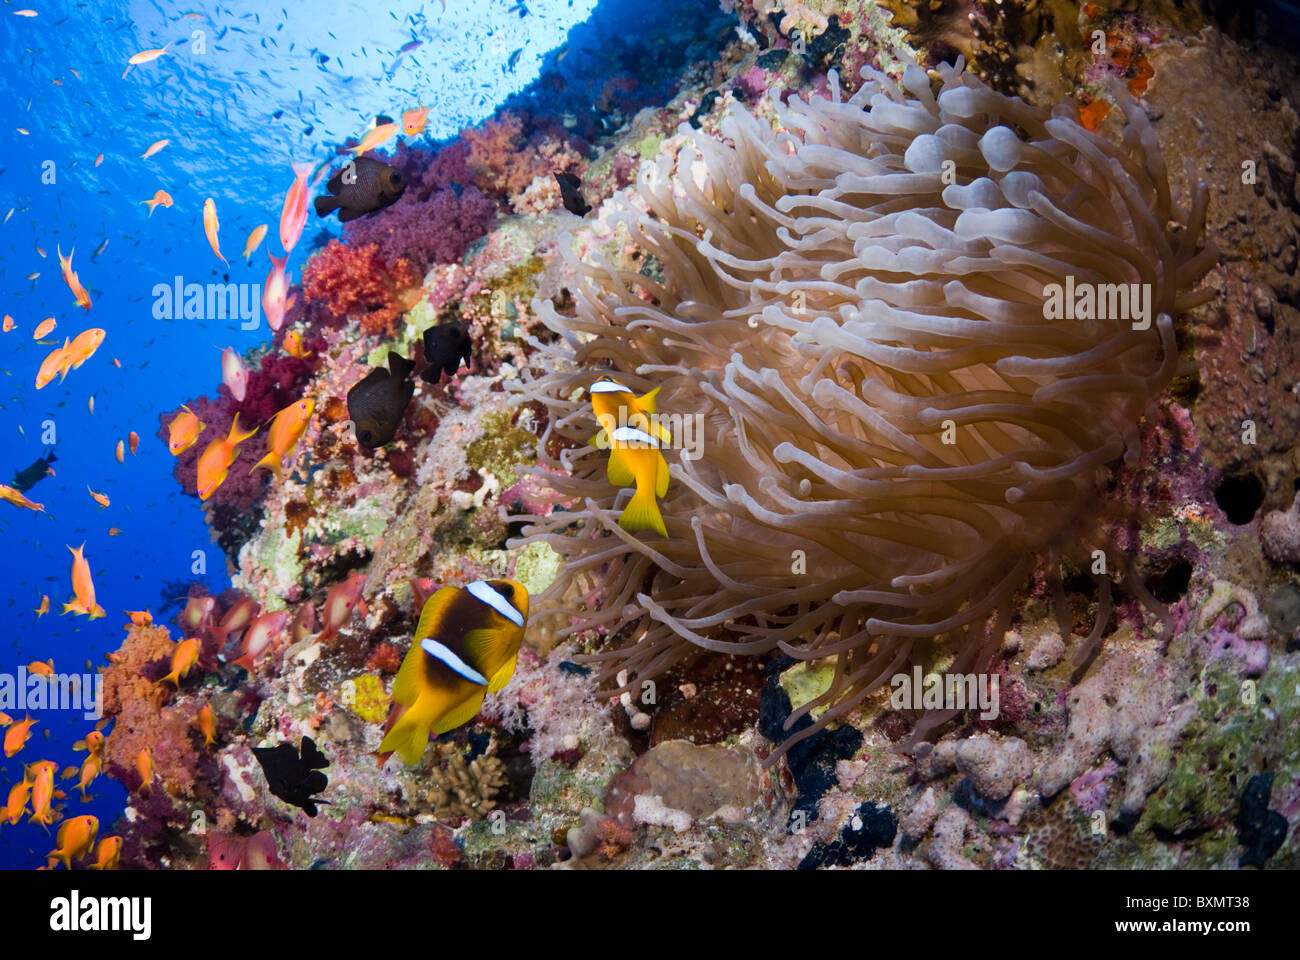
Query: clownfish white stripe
x=440, y=651
x=633, y=435
x=608, y=386
x=482, y=591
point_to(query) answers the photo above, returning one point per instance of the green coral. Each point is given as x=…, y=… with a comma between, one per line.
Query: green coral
x=1240, y=728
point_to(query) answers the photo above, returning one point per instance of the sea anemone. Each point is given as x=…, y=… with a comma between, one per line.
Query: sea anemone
x=896, y=423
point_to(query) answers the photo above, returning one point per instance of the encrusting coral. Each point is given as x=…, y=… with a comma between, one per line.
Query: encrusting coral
x=855, y=313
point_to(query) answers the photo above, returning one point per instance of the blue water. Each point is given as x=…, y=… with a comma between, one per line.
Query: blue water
x=245, y=90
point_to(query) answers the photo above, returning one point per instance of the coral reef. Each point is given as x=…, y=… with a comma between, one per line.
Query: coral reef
x=723, y=698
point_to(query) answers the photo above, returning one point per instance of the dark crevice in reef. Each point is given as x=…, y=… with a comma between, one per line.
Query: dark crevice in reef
x=1239, y=496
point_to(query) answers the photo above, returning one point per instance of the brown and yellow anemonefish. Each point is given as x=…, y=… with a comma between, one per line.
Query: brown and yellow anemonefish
x=464, y=648
x=634, y=439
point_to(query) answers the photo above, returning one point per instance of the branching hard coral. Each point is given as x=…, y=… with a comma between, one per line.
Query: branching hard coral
x=855, y=310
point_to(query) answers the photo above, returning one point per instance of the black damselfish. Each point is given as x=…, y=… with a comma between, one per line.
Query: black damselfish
x=26, y=478
x=377, y=404
x=571, y=194
x=361, y=187
x=292, y=777
x=445, y=346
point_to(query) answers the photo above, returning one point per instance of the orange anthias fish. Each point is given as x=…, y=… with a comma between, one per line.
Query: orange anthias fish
x=134, y=439
x=275, y=292
x=119, y=454
x=99, y=158
x=210, y=227
x=99, y=498
x=159, y=197
x=376, y=137
x=144, y=56
x=286, y=429
x=75, y=838
x=44, y=608
x=17, y=735
x=293, y=215
x=43, y=794
x=206, y=723
x=183, y=431
x=184, y=656
x=16, y=805
x=254, y=240
x=262, y=635
x=144, y=767
x=340, y=602
x=70, y=278
x=42, y=669
x=217, y=457
x=293, y=345
x=107, y=854
x=17, y=499
x=83, y=588
x=52, y=365
x=154, y=148
x=8, y=323
x=82, y=348
x=413, y=121
x=44, y=328
x=139, y=618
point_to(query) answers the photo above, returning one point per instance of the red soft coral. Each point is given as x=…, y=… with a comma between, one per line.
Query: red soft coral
x=354, y=281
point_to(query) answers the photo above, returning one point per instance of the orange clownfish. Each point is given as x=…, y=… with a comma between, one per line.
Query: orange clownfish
x=216, y=459
x=465, y=648
x=628, y=429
